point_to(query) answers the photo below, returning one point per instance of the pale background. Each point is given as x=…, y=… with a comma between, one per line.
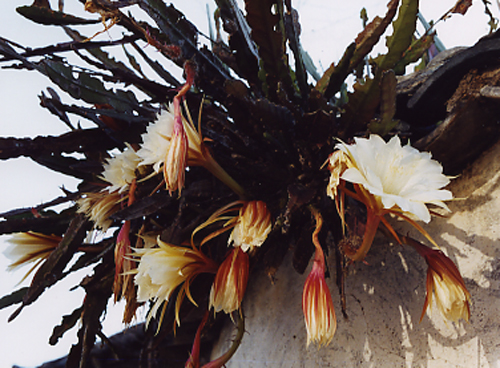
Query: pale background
x=327, y=28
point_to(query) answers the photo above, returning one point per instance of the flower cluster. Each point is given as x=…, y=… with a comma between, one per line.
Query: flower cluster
x=160, y=219
x=388, y=178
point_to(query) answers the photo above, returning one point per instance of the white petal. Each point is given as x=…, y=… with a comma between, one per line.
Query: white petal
x=397, y=175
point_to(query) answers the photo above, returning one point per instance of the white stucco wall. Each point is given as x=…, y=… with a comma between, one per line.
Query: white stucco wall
x=385, y=298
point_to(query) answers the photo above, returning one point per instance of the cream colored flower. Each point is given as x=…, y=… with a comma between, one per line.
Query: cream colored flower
x=230, y=282
x=452, y=298
x=387, y=178
x=30, y=247
x=161, y=270
x=174, y=168
x=397, y=177
x=444, y=282
x=252, y=226
x=164, y=146
x=119, y=170
x=250, y=229
x=156, y=140
x=98, y=207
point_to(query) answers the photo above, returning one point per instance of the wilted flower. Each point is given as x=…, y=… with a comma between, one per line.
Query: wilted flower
x=317, y=303
x=445, y=281
x=337, y=164
x=123, y=264
x=161, y=270
x=387, y=178
x=230, y=282
x=30, y=247
x=253, y=225
x=119, y=170
x=98, y=207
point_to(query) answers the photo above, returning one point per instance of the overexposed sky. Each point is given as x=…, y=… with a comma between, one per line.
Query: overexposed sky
x=328, y=26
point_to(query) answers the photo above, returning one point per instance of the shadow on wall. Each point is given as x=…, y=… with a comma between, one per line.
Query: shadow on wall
x=385, y=297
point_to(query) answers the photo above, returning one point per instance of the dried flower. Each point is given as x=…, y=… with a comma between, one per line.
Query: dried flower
x=337, y=164
x=252, y=226
x=317, y=303
x=123, y=264
x=445, y=281
x=387, y=178
x=230, y=282
x=161, y=270
x=119, y=170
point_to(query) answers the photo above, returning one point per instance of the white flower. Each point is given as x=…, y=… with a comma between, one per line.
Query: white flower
x=119, y=170
x=30, y=247
x=156, y=140
x=161, y=270
x=399, y=178
x=98, y=207
x=252, y=226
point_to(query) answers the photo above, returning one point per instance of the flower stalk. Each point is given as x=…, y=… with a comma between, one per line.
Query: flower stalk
x=194, y=356
x=224, y=358
x=372, y=222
